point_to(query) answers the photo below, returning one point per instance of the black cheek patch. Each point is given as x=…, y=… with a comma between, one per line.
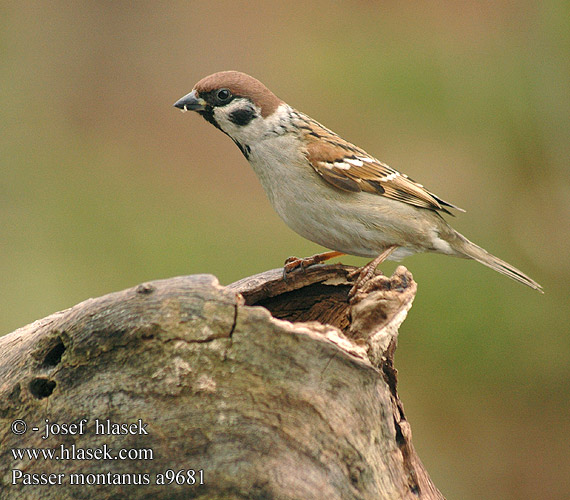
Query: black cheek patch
x=242, y=116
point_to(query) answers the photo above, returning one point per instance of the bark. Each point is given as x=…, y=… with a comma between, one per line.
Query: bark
x=293, y=400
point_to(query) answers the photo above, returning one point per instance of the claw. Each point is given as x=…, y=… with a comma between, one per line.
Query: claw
x=366, y=272
x=293, y=263
x=290, y=265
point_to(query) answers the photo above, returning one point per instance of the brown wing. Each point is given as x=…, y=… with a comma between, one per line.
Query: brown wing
x=351, y=169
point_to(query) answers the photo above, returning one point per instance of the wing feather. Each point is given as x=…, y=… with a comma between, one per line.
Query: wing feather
x=350, y=168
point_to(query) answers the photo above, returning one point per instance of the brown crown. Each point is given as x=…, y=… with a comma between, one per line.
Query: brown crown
x=241, y=85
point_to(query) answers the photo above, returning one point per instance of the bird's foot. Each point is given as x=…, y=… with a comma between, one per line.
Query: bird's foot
x=293, y=263
x=365, y=273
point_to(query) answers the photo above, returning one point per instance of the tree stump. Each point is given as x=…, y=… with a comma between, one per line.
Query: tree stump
x=182, y=388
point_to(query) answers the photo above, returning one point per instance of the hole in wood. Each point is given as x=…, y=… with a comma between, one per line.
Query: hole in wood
x=42, y=387
x=53, y=356
x=326, y=304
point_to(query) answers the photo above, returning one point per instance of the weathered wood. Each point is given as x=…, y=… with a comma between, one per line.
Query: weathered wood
x=266, y=408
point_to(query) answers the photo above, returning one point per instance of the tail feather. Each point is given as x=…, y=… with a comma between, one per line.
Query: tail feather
x=470, y=250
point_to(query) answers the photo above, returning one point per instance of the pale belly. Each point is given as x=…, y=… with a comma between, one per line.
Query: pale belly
x=361, y=224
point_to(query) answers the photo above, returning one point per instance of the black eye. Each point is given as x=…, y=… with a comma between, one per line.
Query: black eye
x=223, y=95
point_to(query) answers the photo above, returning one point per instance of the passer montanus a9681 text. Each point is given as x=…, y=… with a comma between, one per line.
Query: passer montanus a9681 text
x=327, y=189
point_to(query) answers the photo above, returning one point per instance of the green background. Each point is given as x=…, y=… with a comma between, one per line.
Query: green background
x=104, y=185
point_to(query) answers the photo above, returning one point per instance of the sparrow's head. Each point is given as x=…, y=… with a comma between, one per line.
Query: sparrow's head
x=232, y=101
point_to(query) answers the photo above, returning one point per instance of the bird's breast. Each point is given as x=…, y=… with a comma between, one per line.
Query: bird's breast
x=361, y=223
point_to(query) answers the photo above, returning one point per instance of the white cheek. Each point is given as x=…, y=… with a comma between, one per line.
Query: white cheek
x=242, y=133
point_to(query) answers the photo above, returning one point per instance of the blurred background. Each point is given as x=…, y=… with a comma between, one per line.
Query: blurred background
x=103, y=185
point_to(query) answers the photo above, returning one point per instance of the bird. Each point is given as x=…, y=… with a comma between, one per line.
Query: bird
x=325, y=188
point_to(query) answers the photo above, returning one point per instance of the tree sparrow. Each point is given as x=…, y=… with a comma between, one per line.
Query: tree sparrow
x=327, y=189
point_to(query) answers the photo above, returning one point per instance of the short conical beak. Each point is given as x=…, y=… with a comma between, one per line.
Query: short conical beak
x=191, y=102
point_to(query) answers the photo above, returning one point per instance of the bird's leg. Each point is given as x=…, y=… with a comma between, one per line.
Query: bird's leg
x=293, y=263
x=366, y=272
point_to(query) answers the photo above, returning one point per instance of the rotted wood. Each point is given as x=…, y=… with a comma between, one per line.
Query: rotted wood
x=292, y=400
